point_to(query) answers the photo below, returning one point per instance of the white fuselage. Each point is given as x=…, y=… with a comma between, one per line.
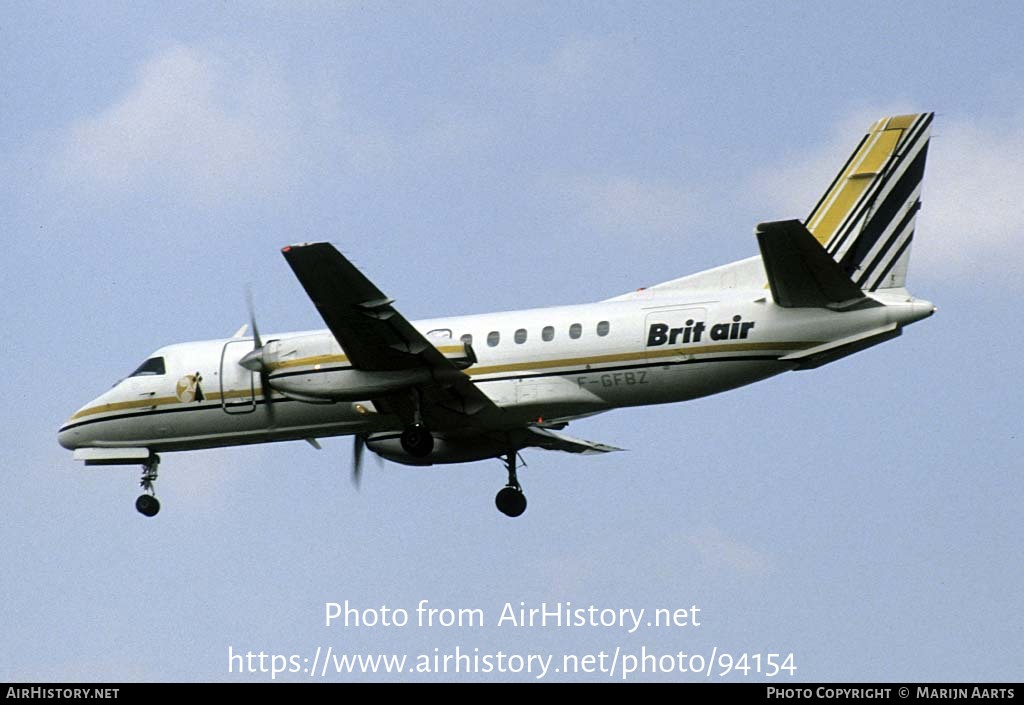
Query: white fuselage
x=554, y=364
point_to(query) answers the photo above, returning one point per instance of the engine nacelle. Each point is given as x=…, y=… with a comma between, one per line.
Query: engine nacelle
x=345, y=384
x=389, y=446
x=314, y=367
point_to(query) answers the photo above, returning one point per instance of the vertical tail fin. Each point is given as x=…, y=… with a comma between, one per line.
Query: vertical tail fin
x=866, y=218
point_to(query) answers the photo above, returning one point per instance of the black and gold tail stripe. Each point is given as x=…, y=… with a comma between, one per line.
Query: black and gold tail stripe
x=888, y=224
x=866, y=218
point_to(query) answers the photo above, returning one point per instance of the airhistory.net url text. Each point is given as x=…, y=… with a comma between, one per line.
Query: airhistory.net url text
x=615, y=663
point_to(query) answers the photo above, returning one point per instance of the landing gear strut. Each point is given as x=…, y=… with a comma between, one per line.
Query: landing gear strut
x=148, y=504
x=510, y=499
x=417, y=441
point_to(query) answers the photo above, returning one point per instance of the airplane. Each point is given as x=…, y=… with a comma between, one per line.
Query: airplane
x=475, y=387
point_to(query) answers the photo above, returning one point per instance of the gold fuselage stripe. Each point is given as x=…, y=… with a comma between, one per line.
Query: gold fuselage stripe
x=158, y=401
x=536, y=365
x=630, y=356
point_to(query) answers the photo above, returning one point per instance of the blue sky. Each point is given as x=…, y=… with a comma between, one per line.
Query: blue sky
x=472, y=157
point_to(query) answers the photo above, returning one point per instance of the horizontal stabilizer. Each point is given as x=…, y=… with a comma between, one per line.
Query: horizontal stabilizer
x=800, y=272
x=830, y=352
x=553, y=440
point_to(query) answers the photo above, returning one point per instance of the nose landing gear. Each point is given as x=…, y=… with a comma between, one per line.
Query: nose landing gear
x=510, y=499
x=147, y=504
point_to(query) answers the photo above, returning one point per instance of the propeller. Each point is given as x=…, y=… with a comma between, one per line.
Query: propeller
x=358, y=451
x=253, y=360
x=358, y=447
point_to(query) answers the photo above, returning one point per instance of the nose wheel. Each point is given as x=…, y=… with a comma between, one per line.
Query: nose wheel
x=147, y=504
x=510, y=499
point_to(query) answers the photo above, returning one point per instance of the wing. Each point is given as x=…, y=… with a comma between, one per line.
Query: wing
x=553, y=440
x=377, y=338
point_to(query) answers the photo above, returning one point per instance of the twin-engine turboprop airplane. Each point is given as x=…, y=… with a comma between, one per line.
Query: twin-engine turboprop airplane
x=454, y=390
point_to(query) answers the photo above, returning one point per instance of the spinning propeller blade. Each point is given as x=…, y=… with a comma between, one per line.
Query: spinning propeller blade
x=254, y=360
x=358, y=446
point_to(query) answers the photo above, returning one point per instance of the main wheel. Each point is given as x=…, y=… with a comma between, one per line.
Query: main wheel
x=510, y=501
x=417, y=441
x=147, y=505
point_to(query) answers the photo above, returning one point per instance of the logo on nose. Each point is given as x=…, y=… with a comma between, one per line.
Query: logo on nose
x=189, y=388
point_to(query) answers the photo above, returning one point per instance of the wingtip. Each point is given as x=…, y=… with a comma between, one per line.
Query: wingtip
x=300, y=245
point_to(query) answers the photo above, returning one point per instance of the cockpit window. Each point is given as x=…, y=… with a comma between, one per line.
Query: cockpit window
x=152, y=366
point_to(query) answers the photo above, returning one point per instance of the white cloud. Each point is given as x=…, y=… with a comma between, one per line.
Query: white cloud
x=192, y=123
x=790, y=187
x=717, y=549
x=633, y=204
x=574, y=69
x=971, y=217
x=210, y=127
x=453, y=131
x=573, y=63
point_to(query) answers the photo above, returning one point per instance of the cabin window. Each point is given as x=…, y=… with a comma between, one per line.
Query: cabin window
x=440, y=334
x=467, y=339
x=493, y=338
x=152, y=366
x=520, y=336
x=575, y=331
x=603, y=327
x=548, y=334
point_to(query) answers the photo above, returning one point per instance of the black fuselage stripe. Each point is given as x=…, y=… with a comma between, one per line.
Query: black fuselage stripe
x=299, y=373
x=624, y=368
x=177, y=410
x=537, y=375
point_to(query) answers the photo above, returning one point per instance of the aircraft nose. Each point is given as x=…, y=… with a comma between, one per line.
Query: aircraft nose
x=67, y=437
x=70, y=435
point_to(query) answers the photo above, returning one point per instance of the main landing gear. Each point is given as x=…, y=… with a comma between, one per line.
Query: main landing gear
x=510, y=499
x=148, y=504
x=417, y=441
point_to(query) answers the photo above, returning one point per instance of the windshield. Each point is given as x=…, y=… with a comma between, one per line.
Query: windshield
x=152, y=366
